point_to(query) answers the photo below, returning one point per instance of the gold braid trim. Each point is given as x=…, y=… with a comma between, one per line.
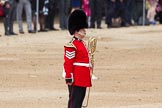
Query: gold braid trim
x=70, y=45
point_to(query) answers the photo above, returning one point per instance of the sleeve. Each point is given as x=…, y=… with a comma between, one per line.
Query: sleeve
x=69, y=57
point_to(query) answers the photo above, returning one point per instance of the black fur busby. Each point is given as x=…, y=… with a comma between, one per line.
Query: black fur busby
x=77, y=20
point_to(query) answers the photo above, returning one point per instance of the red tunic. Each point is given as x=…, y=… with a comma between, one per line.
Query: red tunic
x=77, y=63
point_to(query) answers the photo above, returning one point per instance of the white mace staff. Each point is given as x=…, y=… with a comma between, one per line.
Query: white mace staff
x=92, y=42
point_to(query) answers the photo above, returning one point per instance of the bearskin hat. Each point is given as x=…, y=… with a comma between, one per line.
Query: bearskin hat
x=77, y=20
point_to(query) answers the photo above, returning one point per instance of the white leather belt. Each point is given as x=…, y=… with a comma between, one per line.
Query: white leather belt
x=81, y=64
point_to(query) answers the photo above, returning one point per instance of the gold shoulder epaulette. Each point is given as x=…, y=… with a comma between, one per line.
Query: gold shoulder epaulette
x=70, y=45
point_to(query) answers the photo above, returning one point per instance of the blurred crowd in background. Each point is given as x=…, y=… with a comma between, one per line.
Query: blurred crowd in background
x=115, y=13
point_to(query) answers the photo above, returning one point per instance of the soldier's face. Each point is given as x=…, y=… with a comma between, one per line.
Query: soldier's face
x=82, y=33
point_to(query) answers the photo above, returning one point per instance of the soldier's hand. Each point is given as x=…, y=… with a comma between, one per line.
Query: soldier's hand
x=69, y=81
x=69, y=84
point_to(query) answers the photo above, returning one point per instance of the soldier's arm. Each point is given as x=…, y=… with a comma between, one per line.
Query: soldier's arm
x=69, y=57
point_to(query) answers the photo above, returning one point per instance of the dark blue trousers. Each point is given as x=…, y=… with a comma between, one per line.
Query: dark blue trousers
x=76, y=96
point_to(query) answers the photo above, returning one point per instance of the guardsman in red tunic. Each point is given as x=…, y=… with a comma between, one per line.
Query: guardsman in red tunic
x=76, y=60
